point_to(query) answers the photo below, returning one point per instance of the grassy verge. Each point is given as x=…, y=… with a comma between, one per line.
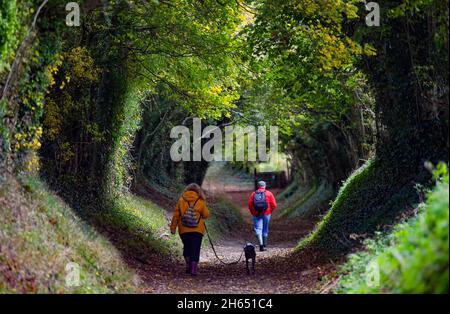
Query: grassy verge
x=290, y=191
x=296, y=199
x=302, y=200
x=411, y=259
x=142, y=225
x=40, y=235
x=306, y=201
x=343, y=209
x=225, y=218
x=370, y=201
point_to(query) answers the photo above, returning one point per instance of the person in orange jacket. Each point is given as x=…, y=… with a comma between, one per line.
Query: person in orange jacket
x=189, y=217
x=262, y=203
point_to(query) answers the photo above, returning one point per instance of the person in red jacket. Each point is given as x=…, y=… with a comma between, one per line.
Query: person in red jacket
x=262, y=203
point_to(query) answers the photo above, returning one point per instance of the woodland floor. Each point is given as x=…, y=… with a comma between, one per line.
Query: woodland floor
x=278, y=270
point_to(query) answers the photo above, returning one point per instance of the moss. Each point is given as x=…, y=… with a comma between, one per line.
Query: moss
x=348, y=203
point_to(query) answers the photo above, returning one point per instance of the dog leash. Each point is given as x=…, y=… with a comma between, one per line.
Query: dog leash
x=215, y=253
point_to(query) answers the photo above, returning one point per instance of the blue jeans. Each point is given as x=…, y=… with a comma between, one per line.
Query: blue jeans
x=261, y=226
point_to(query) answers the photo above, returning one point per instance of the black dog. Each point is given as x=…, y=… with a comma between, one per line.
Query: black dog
x=250, y=254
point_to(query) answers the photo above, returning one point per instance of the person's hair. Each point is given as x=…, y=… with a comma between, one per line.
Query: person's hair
x=197, y=189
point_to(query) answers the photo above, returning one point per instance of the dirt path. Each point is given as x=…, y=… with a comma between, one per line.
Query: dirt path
x=278, y=270
x=283, y=236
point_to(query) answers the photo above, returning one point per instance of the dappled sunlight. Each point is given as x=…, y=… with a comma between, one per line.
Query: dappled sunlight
x=312, y=135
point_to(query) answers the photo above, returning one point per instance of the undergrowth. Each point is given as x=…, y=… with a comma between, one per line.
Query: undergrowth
x=309, y=201
x=144, y=223
x=224, y=218
x=40, y=235
x=360, y=209
x=411, y=259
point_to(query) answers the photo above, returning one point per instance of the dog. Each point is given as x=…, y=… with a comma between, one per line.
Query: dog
x=250, y=254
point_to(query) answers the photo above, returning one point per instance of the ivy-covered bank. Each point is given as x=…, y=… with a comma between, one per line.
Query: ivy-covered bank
x=408, y=80
x=72, y=101
x=411, y=259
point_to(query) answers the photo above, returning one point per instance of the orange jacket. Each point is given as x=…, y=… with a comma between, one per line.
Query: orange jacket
x=182, y=206
x=270, y=201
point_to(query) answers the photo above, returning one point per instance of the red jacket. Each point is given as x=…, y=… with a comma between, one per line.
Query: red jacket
x=270, y=201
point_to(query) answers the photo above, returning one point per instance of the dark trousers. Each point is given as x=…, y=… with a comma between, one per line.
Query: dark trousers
x=192, y=241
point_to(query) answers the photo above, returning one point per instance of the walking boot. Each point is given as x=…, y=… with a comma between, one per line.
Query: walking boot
x=260, y=240
x=261, y=243
x=265, y=241
x=188, y=265
x=194, y=268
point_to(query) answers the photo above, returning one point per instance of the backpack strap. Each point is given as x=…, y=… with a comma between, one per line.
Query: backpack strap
x=195, y=203
x=189, y=204
x=258, y=191
x=199, y=215
x=193, y=206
